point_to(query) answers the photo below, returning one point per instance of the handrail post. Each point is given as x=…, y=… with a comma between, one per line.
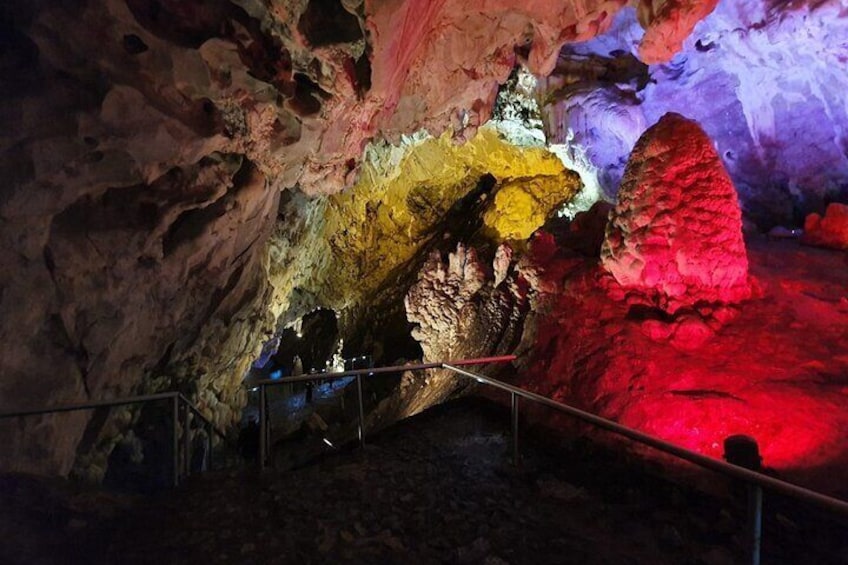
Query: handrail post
x=186, y=440
x=743, y=450
x=175, y=440
x=361, y=411
x=209, y=445
x=514, y=411
x=263, y=425
x=755, y=521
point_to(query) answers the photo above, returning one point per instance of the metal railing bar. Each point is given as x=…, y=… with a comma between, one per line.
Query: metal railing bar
x=379, y=370
x=112, y=403
x=203, y=418
x=90, y=405
x=265, y=446
x=717, y=465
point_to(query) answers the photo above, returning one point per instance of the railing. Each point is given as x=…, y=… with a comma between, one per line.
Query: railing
x=264, y=428
x=177, y=401
x=756, y=481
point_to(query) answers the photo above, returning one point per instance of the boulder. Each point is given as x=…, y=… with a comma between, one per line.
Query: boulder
x=830, y=230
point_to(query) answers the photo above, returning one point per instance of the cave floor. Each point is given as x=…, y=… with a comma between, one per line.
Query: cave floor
x=436, y=488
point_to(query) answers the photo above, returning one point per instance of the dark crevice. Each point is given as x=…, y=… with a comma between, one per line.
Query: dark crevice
x=220, y=294
x=134, y=45
x=359, y=72
x=307, y=94
x=187, y=24
x=49, y=262
x=326, y=22
x=163, y=362
x=61, y=336
x=190, y=225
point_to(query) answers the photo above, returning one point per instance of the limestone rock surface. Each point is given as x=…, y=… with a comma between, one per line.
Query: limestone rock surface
x=675, y=236
x=667, y=24
x=830, y=230
x=149, y=149
x=459, y=312
x=764, y=80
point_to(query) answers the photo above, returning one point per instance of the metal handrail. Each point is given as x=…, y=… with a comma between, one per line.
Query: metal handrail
x=175, y=397
x=265, y=429
x=756, y=481
x=717, y=465
x=89, y=405
x=206, y=420
x=380, y=370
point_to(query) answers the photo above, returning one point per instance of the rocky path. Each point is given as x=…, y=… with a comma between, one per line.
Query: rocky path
x=437, y=488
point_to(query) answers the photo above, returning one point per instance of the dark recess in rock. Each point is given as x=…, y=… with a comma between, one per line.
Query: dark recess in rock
x=188, y=24
x=305, y=102
x=221, y=294
x=326, y=22
x=359, y=71
x=319, y=335
x=285, y=134
x=16, y=167
x=190, y=224
x=265, y=57
x=18, y=55
x=363, y=72
x=134, y=45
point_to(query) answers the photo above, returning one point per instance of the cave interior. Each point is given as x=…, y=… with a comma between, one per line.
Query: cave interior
x=645, y=203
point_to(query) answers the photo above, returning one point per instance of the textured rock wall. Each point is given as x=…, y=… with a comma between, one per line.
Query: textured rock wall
x=145, y=145
x=389, y=215
x=463, y=308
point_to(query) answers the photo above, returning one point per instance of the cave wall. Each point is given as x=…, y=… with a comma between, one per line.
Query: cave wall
x=764, y=79
x=145, y=146
x=174, y=172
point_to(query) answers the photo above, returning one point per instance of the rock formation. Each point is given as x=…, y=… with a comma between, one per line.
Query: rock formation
x=462, y=309
x=173, y=171
x=675, y=237
x=764, y=82
x=667, y=24
x=830, y=230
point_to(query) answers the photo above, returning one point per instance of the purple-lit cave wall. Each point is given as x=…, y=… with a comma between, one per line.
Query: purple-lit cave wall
x=765, y=81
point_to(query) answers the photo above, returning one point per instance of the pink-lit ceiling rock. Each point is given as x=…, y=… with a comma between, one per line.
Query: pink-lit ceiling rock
x=436, y=64
x=675, y=237
x=667, y=24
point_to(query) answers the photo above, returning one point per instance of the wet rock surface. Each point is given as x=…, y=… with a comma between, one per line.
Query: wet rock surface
x=438, y=488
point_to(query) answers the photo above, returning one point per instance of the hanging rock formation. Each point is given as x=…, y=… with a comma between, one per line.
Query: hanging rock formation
x=466, y=309
x=675, y=237
x=667, y=24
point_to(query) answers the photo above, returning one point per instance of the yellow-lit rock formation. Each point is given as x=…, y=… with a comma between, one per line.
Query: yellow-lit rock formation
x=383, y=221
